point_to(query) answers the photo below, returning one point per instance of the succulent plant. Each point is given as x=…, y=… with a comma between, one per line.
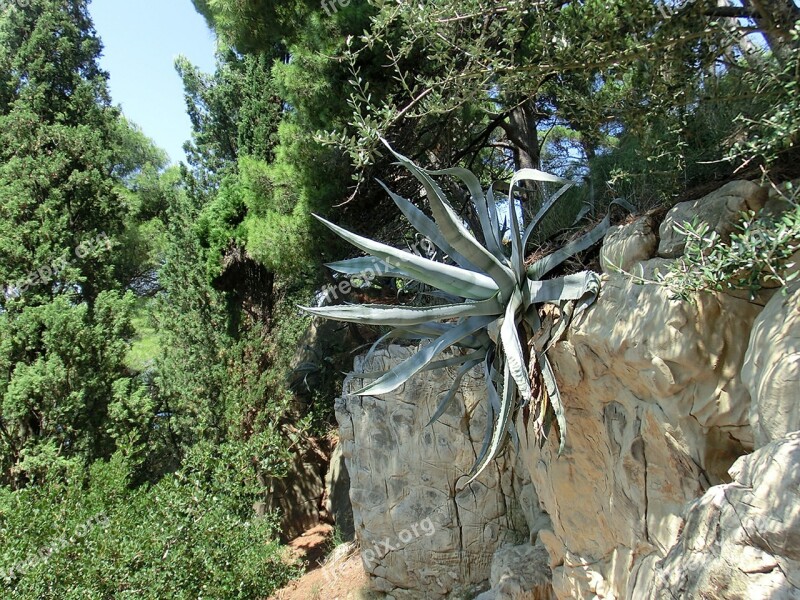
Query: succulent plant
x=493, y=318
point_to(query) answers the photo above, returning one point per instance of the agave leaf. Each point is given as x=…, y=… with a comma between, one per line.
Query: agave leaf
x=544, y=265
x=487, y=437
x=429, y=331
x=428, y=228
x=442, y=296
x=481, y=208
x=585, y=210
x=517, y=251
x=500, y=429
x=515, y=359
x=454, y=280
x=479, y=339
x=489, y=372
x=454, y=230
x=518, y=243
x=555, y=398
x=458, y=359
x=415, y=363
x=463, y=370
x=361, y=264
x=571, y=310
x=543, y=211
x=494, y=221
x=568, y=287
x=399, y=316
x=536, y=175
x=512, y=431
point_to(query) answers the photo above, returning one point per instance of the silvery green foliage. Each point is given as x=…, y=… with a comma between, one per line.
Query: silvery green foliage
x=495, y=321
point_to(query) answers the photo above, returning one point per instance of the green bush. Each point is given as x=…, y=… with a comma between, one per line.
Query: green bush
x=185, y=537
x=760, y=254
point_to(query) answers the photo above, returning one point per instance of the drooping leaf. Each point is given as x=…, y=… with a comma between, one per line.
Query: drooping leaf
x=415, y=363
x=512, y=349
x=555, y=398
x=451, y=393
x=500, y=429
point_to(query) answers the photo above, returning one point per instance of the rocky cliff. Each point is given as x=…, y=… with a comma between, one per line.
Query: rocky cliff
x=681, y=471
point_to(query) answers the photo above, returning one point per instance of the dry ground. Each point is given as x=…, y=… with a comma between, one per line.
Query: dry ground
x=341, y=577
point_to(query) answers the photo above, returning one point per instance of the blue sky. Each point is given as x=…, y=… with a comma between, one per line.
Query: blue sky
x=142, y=39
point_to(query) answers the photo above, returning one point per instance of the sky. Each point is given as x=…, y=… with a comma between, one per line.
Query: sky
x=141, y=40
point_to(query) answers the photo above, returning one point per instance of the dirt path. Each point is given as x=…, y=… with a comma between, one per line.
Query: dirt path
x=339, y=576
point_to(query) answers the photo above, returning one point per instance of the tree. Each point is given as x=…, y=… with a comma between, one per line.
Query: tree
x=64, y=316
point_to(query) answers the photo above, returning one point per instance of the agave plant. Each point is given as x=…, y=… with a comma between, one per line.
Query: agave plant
x=493, y=318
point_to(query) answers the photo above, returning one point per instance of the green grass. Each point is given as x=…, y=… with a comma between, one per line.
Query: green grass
x=146, y=342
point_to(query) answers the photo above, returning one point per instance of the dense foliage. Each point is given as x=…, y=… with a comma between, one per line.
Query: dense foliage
x=148, y=320
x=139, y=416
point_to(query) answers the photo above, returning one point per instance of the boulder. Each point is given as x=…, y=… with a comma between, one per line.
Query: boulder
x=771, y=368
x=719, y=209
x=656, y=413
x=417, y=534
x=520, y=573
x=626, y=245
x=741, y=539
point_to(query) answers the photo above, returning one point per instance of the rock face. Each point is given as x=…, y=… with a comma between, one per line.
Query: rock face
x=742, y=539
x=772, y=368
x=656, y=413
x=415, y=532
x=337, y=495
x=680, y=478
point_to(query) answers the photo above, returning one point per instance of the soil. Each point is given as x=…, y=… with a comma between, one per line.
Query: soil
x=330, y=574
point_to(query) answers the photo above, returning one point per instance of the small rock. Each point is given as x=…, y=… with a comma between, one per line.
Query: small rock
x=719, y=209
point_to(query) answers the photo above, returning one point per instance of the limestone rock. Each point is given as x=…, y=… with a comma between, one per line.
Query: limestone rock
x=719, y=209
x=742, y=539
x=418, y=537
x=656, y=413
x=520, y=573
x=626, y=245
x=772, y=368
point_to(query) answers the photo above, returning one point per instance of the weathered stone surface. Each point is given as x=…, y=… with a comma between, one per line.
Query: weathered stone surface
x=719, y=209
x=626, y=245
x=772, y=368
x=417, y=535
x=656, y=413
x=337, y=495
x=520, y=573
x=742, y=539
